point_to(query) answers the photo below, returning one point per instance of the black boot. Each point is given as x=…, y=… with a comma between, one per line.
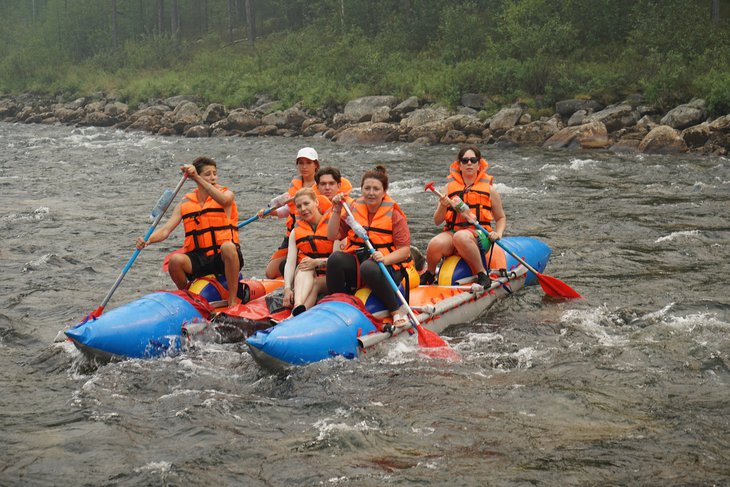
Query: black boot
x=483, y=280
x=427, y=278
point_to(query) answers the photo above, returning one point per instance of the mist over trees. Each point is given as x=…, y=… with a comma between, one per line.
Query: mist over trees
x=324, y=52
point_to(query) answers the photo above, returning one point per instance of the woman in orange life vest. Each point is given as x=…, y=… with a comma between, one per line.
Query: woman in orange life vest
x=210, y=218
x=307, y=165
x=469, y=180
x=307, y=254
x=388, y=230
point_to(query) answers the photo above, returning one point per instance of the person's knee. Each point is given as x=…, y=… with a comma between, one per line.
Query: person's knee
x=336, y=260
x=370, y=271
x=462, y=238
x=178, y=262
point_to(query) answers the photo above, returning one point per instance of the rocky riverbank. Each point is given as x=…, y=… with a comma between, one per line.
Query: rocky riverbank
x=631, y=125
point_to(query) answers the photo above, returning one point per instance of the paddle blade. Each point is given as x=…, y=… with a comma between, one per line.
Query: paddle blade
x=556, y=288
x=435, y=346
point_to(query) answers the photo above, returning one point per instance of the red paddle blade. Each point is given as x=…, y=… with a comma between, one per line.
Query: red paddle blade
x=435, y=345
x=556, y=288
x=166, y=261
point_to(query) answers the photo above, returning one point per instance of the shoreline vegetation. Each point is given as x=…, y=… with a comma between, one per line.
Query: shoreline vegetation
x=625, y=75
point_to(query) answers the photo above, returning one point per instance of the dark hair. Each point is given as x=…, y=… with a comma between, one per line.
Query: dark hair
x=332, y=171
x=378, y=173
x=464, y=150
x=201, y=162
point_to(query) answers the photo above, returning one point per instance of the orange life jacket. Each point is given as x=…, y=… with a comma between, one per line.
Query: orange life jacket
x=313, y=243
x=208, y=227
x=380, y=229
x=324, y=203
x=477, y=196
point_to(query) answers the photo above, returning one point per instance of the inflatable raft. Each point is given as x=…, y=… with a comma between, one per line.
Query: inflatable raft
x=158, y=323
x=161, y=323
x=345, y=328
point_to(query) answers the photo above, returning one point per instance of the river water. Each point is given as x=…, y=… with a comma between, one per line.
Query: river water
x=626, y=387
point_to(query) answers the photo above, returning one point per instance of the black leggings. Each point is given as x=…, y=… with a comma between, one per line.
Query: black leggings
x=342, y=277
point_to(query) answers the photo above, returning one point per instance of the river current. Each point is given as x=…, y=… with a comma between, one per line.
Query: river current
x=628, y=386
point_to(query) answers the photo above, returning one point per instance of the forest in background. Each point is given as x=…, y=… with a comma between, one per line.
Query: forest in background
x=323, y=53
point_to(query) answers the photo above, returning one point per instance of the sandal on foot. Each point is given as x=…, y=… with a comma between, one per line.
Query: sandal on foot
x=400, y=320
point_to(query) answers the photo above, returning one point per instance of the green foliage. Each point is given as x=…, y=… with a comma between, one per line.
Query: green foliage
x=715, y=87
x=325, y=52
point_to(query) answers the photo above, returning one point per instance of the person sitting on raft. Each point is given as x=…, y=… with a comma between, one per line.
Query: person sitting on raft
x=210, y=218
x=468, y=179
x=304, y=273
x=307, y=165
x=389, y=234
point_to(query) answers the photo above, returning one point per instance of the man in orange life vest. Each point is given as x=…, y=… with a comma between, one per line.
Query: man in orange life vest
x=210, y=217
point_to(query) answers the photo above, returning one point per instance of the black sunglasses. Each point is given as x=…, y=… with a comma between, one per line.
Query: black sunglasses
x=469, y=160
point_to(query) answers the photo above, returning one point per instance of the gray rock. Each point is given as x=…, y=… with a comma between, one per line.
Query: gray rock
x=314, y=129
x=452, y=137
x=381, y=114
x=433, y=130
x=592, y=135
x=98, y=119
x=187, y=113
x=291, y=118
x=361, y=109
x=214, y=112
x=240, y=119
x=663, y=140
x=577, y=118
x=197, y=131
x=469, y=124
x=535, y=133
x=406, y=106
x=77, y=103
x=615, y=117
x=505, y=119
x=262, y=130
x=720, y=124
x=116, y=109
x=697, y=135
x=423, y=116
x=368, y=133
x=686, y=115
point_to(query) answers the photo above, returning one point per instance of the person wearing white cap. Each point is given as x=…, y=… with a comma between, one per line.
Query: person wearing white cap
x=307, y=166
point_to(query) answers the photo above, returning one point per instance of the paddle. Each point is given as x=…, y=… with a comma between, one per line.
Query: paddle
x=426, y=338
x=160, y=208
x=552, y=286
x=166, y=260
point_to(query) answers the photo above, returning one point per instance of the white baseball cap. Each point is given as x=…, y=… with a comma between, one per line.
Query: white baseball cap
x=308, y=153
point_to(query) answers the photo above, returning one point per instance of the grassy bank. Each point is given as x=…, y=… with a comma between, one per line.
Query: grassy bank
x=529, y=51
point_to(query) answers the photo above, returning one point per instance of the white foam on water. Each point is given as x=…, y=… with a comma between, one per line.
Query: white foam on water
x=326, y=428
x=155, y=467
x=38, y=214
x=580, y=164
x=592, y=322
x=37, y=264
x=402, y=352
x=504, y=189
x=693, y=322
x=676, y=235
